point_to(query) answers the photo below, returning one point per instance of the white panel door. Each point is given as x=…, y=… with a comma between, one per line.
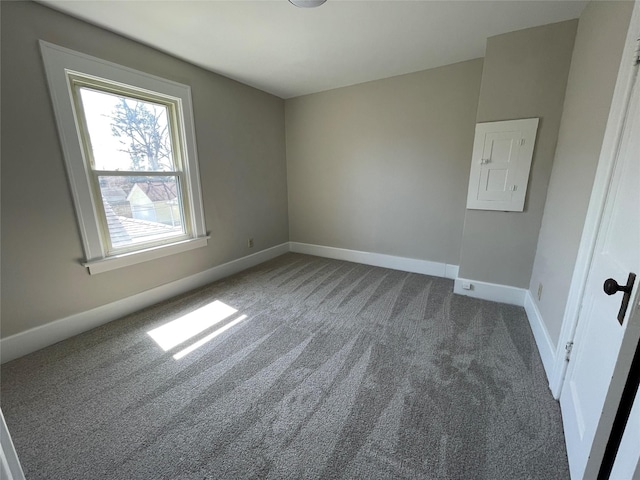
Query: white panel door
x=500, y=164
x=627, y=464
x=599, y=335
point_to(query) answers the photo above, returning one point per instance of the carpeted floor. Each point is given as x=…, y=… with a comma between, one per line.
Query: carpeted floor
x=339, y=370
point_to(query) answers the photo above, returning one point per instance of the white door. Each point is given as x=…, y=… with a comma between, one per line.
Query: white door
x=500, y=164
x=600, y=340
x=498, y=168
x=627, y=464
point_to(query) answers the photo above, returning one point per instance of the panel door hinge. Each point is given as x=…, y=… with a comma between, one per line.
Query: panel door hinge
x=568, y=347
x=636, y=55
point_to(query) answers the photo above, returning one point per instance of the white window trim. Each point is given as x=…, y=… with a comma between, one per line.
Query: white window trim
x=58, y=62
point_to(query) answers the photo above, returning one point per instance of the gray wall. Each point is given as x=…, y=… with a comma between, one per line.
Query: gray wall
x=525, y=75
x=383, y=166
x=594, y=68
x=241, y=148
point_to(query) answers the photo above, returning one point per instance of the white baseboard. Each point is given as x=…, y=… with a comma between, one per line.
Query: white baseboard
x=451, y=271
x=36, y=338
x=491, y=291
x=541, y=334
x=404, y=264
x=39, y=337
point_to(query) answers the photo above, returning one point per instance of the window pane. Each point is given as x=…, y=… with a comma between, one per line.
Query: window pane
x=141, y=209
x=126, y=133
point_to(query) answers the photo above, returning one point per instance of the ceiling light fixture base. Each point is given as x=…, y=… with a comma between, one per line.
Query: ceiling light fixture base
x=307, y=3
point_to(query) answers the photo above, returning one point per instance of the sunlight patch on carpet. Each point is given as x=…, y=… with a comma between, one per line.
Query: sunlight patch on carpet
x=208, y=338
x=187, y=326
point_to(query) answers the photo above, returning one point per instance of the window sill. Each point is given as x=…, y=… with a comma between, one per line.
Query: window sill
x=127, y=259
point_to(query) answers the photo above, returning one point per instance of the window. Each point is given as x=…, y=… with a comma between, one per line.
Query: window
x=129, y=147
x=135, y=164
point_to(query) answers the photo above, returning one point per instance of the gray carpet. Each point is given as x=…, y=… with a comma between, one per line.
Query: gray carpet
x=340, y=370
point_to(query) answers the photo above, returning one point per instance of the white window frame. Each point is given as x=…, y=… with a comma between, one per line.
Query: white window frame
x=60, y=64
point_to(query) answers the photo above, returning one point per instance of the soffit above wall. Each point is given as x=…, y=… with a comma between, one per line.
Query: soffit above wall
x=288, y=51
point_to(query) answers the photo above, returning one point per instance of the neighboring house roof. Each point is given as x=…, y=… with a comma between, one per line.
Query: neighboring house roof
x=113, y=194
x=156, y=191
x=143, y=230
x=119, y=234
x=124, y=230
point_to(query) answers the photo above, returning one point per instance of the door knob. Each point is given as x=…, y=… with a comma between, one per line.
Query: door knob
x=611, y=287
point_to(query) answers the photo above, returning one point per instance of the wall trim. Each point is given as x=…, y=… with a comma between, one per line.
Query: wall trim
x=543, y=340
x=405, y=264
x=451, y=271
x=491, y=291
x=36, y=338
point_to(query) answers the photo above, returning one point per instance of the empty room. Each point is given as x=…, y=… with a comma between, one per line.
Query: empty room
x=319, y=239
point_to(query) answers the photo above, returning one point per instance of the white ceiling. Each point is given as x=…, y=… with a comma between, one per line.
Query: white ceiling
x=289, y=51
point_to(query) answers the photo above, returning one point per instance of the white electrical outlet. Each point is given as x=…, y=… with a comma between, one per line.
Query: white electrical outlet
x=466, y=285
x=539, y=291
x=250, y=243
